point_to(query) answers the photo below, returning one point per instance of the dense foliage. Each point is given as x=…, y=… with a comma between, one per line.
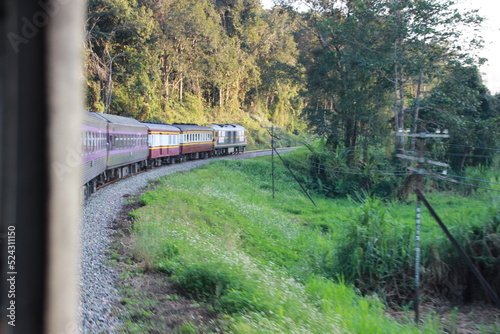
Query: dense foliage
x=193, y=61
x=357, y=71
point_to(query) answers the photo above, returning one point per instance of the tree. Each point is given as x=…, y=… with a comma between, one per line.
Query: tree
x=426, y=35
x=364, y=46
x=462, y=104
x=345, y=73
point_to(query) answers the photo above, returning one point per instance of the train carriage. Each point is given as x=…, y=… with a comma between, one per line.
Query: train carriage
x=163, y=142
x=195, y=141
x=228, y=139
x=127, y=146
x=94, y=149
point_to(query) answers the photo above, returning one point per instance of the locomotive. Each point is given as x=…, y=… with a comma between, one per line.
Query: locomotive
x=116, y=146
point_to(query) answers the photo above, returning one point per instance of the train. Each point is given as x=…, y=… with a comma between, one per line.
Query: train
x=115, y=146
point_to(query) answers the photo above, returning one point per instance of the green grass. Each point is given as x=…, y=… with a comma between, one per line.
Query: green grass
x=275, y=266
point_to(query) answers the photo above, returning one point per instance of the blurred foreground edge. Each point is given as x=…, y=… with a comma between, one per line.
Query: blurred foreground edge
x=40, y=102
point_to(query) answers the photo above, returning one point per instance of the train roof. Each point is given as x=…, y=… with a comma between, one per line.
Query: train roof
x=114, y=119
x=160, y=126
x=92, y=115
x=226, y=127
x=192, y=127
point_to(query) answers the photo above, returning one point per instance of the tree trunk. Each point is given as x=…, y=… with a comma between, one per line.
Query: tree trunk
x=417, y=109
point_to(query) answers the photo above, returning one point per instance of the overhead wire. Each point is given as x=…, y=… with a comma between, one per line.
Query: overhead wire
x=473, y=147
x=392, y=173
x=330, y=168
x=468, y=178
x=467, y=184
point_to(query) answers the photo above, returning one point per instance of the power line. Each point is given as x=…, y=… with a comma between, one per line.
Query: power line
x=330, y=168
x=463, y=155
x=469, y=155
x=474, y=147
x=467, y=184
x=468, y=178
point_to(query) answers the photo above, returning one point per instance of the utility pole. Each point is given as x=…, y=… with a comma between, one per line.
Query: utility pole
x=418, y=214
x=273, y=149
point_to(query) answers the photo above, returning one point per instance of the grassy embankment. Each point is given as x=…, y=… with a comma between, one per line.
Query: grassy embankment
x=274, y=266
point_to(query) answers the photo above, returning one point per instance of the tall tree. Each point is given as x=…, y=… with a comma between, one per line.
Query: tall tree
x=346, y=80
x=359, y=42
x=462, y=104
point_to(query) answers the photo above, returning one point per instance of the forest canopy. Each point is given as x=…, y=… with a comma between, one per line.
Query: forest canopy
x=352, y=71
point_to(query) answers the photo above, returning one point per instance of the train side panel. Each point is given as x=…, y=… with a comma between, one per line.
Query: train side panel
x=229, y=138
x=163, y=141
x=195, y=141
x=94, y=146
x=127, y=141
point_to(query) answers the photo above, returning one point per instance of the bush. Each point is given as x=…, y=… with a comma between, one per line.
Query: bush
x=228, y=290
x=205, y=281
x=375, y=254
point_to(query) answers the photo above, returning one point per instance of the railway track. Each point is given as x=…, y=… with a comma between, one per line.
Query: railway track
x=242, y=155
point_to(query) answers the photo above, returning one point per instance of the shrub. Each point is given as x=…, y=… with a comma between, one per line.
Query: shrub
x=205, y=281
x=375, y=253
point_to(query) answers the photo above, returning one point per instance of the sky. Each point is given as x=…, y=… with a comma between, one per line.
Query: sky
x=490, y=10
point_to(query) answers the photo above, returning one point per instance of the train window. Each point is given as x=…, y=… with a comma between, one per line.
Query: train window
x=85, y=142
